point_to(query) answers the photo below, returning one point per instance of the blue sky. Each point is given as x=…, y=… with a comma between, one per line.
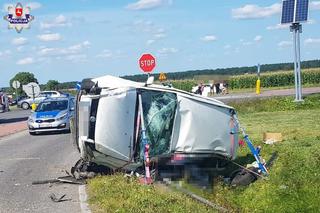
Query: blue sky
x=75, y=39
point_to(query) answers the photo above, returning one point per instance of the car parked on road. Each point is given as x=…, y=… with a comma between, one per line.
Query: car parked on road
x=26, y=103
x=13, y=101
x=52, y=114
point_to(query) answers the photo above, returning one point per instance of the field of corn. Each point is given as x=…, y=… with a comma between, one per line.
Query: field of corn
x=274, y=79
x=269, y=79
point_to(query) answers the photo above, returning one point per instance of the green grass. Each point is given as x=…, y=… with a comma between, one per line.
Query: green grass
x=294, y=180
x=276, y=104
x=253, y=90
x=117, y=193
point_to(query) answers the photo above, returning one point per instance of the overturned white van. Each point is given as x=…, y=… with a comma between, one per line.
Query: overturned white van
x=106, y=128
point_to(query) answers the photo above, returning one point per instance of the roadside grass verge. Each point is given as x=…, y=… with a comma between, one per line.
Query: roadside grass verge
x=293, y=184
x=116, y=193
x=276, y=104
x=253, y=90
x=294, y=180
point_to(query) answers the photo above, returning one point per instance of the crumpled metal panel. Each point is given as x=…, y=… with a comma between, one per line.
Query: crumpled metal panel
x=115, y=123
x=202, y=128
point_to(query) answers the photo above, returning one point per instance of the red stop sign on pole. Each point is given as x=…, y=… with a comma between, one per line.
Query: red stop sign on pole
x=147, y=62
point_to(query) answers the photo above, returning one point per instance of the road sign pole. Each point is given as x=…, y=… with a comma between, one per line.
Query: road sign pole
x=16, y=86
x=32, y=92
x=17, y=95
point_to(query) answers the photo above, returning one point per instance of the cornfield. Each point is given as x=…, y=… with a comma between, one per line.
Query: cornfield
x=274, y=79
x=185, y=85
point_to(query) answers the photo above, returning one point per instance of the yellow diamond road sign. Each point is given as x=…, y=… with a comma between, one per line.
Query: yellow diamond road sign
x=162, y=77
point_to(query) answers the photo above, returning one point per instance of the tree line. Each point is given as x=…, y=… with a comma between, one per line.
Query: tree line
x=191, y=74
x=27, y=77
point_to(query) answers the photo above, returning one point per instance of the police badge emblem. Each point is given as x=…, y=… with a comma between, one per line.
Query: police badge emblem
x=18, y=17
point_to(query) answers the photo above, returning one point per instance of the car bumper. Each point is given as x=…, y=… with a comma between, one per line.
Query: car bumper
x=47, y=127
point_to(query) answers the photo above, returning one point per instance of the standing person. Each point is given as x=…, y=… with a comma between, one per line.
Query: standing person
x=202, y=88
x=217, y=85
x=4, y=102
x=199, y=90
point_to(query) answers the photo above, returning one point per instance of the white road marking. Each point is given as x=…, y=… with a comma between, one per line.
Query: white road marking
x=83, y=199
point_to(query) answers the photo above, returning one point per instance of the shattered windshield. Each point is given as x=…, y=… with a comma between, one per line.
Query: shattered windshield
x=52, y=106
x=159, y=111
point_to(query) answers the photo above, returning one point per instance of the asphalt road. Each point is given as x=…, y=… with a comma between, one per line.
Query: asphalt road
x=14, y=116
x=25, y=158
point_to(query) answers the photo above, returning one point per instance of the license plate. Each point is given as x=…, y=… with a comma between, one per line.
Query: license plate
x=45, y=125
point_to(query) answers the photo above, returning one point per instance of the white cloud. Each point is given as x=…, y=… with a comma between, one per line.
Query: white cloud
x=168, y=50
x=160, y=35
x=5, y=53
x=105, y=54
x=34, y=5
x=312, y=41
x=278, y=27
x=47, y=51
x=315, y=5
x=50, y=37
x=20, y=48
x=209, y=38
x=77, y=58
x=160, y=30
x=19, y=41
x=246, y=43
x=148, y=4
x=150, y=41
x=71, y=50
x=227, y=46
x=25, y=61
x=258, y=38
x=282, y=44
x=80, y=46
x=251, y=11
x=59, y=21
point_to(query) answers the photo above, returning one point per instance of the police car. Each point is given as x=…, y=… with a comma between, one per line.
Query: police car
x=52, y=114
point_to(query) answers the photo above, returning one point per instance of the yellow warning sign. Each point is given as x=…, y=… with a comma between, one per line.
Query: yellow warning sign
x=162, y=77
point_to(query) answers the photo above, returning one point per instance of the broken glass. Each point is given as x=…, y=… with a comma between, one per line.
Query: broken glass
x=159, y=110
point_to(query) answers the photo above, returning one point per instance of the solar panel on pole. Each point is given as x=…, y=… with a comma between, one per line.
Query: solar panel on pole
x=287, y=11
x=301, y=11
x=294, y=12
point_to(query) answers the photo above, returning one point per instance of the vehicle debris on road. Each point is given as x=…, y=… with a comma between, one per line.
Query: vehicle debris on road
x=53, y=197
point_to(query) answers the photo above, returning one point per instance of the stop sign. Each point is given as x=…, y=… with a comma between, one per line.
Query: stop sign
x=147, y=62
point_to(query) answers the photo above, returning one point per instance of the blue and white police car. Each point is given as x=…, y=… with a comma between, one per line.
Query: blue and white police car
x=52, y=114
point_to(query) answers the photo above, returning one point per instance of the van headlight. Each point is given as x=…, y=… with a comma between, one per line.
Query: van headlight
x=62, y=117
x=30, y=120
